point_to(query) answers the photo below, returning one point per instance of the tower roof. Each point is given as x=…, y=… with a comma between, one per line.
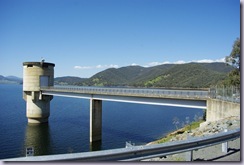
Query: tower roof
x=38, y=63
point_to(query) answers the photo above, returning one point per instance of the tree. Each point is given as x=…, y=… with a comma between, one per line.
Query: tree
x=233, y=59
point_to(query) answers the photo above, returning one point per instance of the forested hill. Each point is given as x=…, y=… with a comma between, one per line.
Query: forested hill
x=68, y=80
x=193, y=75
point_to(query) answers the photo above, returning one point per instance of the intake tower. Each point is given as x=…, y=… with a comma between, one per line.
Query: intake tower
x=36, y=75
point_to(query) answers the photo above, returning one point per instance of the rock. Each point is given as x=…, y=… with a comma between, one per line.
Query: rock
x=197, y=133
x=207, y=129
x=229, y=123
x=184, y=137
x=204, y=124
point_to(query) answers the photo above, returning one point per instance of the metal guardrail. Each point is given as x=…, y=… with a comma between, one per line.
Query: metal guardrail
x=135, y=153
x=202, y=94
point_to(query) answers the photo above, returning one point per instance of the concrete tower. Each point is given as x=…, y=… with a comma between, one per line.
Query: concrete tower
x=36, y=75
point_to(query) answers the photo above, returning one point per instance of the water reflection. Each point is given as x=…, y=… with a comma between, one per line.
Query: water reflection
x=38, y=137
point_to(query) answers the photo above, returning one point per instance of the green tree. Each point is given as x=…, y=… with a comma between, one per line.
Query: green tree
x=234, y=60
x=234, y=57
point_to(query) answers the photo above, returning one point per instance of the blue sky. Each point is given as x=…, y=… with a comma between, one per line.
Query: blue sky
x=83, y=37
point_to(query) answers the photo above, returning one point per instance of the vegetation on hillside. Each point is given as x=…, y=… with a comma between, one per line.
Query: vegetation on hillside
x=186, y=128
x=233, y=78
x=191, y=75
x=68, y=80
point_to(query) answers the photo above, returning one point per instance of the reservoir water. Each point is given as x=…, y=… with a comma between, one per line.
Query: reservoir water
x=68, y=127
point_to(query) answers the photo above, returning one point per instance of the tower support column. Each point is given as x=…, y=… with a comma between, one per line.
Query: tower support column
x=95, y=120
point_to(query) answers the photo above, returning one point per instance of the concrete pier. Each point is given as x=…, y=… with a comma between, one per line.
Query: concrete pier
x=95, y=120
x=35, y=75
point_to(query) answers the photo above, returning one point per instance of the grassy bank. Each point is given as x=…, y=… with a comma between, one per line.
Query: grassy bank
x=186, y=128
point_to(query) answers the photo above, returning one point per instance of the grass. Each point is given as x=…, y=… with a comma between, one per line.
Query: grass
x=193, y=125
x=179, y=159
x=189, y=127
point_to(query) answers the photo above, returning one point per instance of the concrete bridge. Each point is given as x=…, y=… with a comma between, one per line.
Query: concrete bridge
x=166, y=97
x=39, y=89
x=178, y=98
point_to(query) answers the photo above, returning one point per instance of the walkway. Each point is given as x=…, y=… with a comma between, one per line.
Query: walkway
x=178, y=98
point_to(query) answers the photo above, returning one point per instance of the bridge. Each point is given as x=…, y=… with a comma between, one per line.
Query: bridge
x=39, y=89
x=166, y=97
x=178, y=98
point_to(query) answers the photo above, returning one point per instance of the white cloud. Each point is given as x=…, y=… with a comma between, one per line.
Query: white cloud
x=184, y=62
x=106, y=66
x=82, y=67
x=151, y=64
x=134, y=64
x=114, y=66
x=166, y=62
x=220, y=60
x=179, y=62
x=96, y=67
x=203, y=61
x=209, y=60
x=154, y=63
x=99, y=66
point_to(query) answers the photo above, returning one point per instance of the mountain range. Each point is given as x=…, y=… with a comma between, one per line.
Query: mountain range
x=10, y=80
x=190, y=75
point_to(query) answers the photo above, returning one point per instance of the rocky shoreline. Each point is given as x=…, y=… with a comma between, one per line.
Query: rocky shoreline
x=205, y=129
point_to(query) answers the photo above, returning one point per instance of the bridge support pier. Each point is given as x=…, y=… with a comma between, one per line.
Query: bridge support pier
x=95, y=120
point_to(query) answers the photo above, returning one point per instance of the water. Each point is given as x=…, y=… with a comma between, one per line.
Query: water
x=68, y=127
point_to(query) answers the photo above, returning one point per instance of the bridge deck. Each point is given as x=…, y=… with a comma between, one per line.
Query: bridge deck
x=132, y=92
x=178, y=98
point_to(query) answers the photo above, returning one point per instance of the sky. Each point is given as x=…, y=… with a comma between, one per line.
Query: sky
x=83, y=37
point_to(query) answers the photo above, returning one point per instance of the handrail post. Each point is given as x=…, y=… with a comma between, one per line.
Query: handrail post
x=225, y=145
x=189, y=154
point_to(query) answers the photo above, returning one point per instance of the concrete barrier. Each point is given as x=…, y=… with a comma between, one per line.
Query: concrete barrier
x=219, y=109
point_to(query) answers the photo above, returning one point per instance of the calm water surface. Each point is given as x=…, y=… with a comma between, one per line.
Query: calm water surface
x=68, y=127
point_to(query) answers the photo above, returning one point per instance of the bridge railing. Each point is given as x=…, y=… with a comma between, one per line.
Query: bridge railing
x=231, y=94
x=132, y=91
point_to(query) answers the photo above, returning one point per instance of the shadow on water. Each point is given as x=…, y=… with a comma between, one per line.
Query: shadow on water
x=38, y=137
